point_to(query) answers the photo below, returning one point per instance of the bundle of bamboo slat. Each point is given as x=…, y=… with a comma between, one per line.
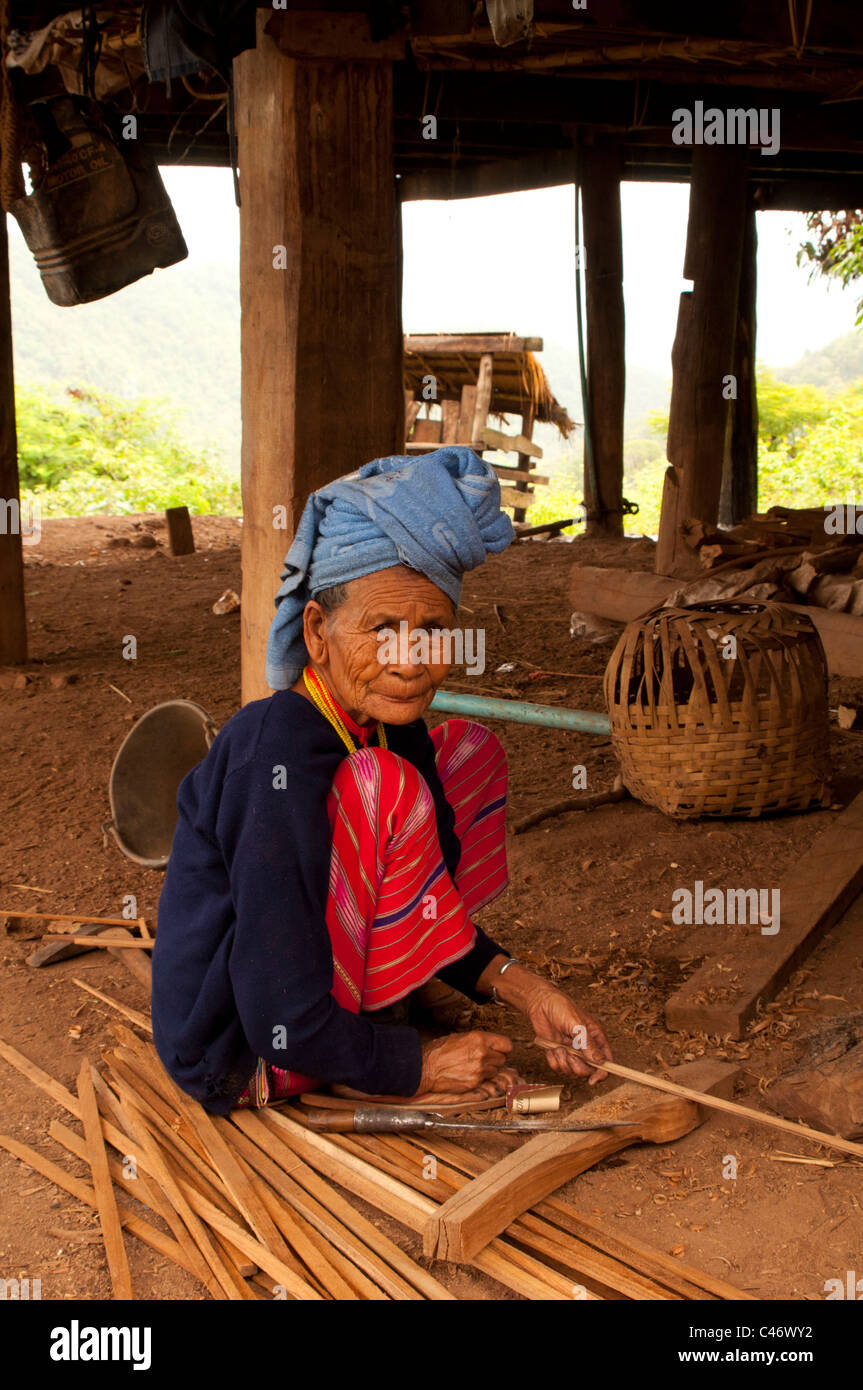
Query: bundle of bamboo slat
x=253, y=1205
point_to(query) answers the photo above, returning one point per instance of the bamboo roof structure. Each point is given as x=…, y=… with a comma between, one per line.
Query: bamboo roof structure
x=519, y=381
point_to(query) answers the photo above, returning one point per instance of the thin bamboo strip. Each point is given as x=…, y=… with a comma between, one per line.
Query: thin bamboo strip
x=186, y=1225
x=511, y=1267
x=538, y=1236
x=106, y=1205
x=385, y=1262
x=134, y=1014
x=82, y=1191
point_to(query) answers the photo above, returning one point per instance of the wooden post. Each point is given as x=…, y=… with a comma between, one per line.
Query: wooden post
x=525, y=462
x=320, y=286
x=13, y=617
x=181, y=539
x=739, y=497
x=483, y=399
x=714, y=248
x=679, y=427
x=600, y=171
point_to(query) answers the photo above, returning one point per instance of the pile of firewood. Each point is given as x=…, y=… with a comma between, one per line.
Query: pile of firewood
x=786, y=555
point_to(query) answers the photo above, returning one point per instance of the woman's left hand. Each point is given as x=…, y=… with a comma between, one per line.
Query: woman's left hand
x=556, y=1018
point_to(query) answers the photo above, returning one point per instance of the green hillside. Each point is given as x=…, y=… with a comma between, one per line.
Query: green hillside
x=174, y=334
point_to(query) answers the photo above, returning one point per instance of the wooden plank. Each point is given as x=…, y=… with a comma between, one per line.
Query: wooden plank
x=467, y=410
x=600, y=171
x=449, y=421
x=509, y=497
x=181, y=540
x=412, y=410
x=332, y=397
x=469, y=1220
x=520, y=475
x=484, y=382
x=118, y=945
x=13, y=615
x=478, y=343
x=510, y=443
x=115, y=1250
x=624, y=594
x=814, y=893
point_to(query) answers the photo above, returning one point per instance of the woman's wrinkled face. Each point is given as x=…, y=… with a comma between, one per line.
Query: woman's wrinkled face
x=372, y=676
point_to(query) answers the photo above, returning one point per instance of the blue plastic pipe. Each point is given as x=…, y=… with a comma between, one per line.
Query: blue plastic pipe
x=520, y=712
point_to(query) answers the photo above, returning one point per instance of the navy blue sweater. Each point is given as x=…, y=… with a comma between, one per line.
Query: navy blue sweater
x=242, y=946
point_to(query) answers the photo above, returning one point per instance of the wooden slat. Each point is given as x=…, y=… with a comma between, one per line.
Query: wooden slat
x=186, y=1225
x=83, y=1192
x=115, y=1250
x=334, y=1158
x=134, y=1015
x=509, y=497
x=510, y=444
x=384, y=1261
x=520, y=475
x=814, y=893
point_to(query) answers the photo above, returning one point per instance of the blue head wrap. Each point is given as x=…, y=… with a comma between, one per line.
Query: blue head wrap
x=438, y=514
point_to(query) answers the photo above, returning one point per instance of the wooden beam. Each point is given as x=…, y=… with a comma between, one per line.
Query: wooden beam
x=714, y=249
x=600, y=169
x=467, y=1221
x=13, y=616
x=320, y=291
x=312, y=34
x=525, y=460
x=813, y=895
x=477, y=343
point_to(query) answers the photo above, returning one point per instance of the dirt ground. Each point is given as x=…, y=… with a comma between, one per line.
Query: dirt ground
x=589, y=902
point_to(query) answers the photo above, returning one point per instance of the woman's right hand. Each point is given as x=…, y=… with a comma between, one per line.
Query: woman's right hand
x=462, y=1062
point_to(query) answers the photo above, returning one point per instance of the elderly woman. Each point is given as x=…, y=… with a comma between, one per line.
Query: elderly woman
x=331, y=851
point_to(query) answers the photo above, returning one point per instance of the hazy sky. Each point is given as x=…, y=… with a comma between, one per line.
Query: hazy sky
x=506, y=263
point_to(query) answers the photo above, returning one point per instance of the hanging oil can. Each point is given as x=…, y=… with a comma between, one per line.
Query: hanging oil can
x=99, y=216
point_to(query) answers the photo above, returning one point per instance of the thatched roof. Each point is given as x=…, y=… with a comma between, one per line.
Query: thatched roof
x=518, y=380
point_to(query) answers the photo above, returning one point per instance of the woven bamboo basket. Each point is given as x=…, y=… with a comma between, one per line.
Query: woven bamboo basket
x=703, y=726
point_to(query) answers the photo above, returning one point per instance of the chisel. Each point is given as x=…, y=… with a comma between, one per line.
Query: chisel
x=381, y=1119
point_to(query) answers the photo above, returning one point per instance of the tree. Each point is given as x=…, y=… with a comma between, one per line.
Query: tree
x=836, y=247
